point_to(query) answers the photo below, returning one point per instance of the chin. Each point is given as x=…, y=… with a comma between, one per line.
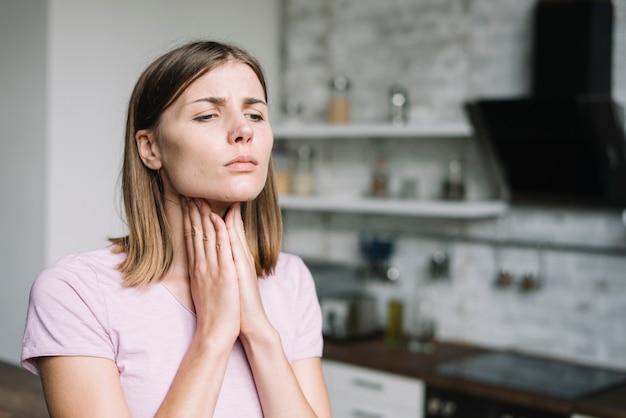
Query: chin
x=243, y=194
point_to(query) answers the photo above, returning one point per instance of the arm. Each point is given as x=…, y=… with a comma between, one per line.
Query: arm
x=70, y=391
x=287, y=390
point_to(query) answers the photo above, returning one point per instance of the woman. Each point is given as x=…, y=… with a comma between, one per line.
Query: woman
x=190, y=314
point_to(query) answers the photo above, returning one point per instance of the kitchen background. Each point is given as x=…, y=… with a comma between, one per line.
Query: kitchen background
x=446, y=52
x=443, y=51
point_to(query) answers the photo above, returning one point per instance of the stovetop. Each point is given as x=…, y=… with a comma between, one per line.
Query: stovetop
x=533, y=374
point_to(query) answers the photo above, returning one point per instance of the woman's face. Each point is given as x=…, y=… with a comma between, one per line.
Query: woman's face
x=214, y=142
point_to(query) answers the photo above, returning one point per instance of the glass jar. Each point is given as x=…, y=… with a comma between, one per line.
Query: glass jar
x=302, y=182
x=338, y=111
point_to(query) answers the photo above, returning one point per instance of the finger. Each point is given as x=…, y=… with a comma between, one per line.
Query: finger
x=222, y=244
x=184, y=206
x=197, y=236
x=208, y=232
x=238, y=235
x=239, y=223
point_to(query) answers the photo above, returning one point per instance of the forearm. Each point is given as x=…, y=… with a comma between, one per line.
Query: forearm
x=196, y=386
x=279, y=391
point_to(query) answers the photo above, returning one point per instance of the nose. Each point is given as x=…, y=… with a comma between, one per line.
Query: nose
x=240, y=130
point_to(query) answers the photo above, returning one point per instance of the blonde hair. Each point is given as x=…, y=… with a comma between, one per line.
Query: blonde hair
x=148, y=244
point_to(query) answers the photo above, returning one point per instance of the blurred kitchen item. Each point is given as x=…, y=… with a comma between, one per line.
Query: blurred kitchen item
x=282, y=159
x=393, y=274
x=398, y=105
x=292, y=112
x=504, y=279
x=376, y=250
x=408, y=189
x=380, y=179
x=453, y=187
x=333, y=277
x=394, y=332
x=338, y=111
x=349, y=315
x=421, y=327
x=541, y=375
x=529, y=282
x=302, y=182
x=439, y=264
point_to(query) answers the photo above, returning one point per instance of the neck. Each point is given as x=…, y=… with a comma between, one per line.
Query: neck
x=173, y=213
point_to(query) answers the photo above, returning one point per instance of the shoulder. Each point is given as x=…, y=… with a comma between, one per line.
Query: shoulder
x=291, y=275
x=80, y=271
x=291, y=268
x=290, y=263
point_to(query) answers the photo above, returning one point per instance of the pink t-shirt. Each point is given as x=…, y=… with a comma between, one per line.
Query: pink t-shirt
x=80, y=307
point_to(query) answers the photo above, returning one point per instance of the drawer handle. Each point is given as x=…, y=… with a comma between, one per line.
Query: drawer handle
x=367, y=384
x=357, y=413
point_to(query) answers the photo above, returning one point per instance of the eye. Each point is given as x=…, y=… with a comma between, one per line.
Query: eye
x=255, y=117
x=204, y=118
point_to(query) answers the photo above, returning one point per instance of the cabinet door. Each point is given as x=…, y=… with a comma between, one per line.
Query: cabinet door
x=342, y=408
x=358, y=392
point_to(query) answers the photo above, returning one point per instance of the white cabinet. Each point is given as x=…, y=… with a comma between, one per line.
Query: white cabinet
x=358, y=392
x=351, y=203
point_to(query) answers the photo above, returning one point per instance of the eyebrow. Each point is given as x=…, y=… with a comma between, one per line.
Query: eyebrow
x=220, y=101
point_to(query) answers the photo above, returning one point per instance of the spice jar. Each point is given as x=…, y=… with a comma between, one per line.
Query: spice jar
x=302, y=182
x=380, y=179
x=338, y=111
x=282, y=172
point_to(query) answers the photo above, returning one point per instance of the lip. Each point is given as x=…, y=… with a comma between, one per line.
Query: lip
x=242, y=163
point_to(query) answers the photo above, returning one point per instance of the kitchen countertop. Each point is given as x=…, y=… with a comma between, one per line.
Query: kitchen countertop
x=375, y=354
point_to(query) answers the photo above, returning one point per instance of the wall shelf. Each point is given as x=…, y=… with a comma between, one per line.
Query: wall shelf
x=368, y=131
x=467, y=210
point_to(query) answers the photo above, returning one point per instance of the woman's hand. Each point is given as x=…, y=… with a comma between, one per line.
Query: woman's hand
x=212, y=272
x=253, y=317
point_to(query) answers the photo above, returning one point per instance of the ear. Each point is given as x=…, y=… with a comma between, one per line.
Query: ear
x=148, y=149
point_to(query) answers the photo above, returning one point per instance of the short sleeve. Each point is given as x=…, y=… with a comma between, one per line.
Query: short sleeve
x=309, y=340
x=66, y=315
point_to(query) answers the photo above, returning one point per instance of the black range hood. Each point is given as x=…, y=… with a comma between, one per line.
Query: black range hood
x=565, y=143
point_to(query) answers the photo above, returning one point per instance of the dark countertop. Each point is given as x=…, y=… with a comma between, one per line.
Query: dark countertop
x=375, y=354
x=21, y=395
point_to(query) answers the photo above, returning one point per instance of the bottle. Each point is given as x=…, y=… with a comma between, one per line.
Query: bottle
x=338, y=111
x=394, y=328
x=398, y=105
x=454, y=185
x=302, y=181
x=380, y=179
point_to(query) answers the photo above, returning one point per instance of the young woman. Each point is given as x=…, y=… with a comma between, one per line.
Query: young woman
x=195, y=313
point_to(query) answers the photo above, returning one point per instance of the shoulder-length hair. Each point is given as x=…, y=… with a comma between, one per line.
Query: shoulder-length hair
x=149, y=244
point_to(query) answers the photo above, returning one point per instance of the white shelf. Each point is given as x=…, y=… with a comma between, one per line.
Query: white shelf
x=365, y=131
x=430, y=209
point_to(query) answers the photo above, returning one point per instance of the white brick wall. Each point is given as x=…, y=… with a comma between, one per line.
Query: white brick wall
x=447, y=51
